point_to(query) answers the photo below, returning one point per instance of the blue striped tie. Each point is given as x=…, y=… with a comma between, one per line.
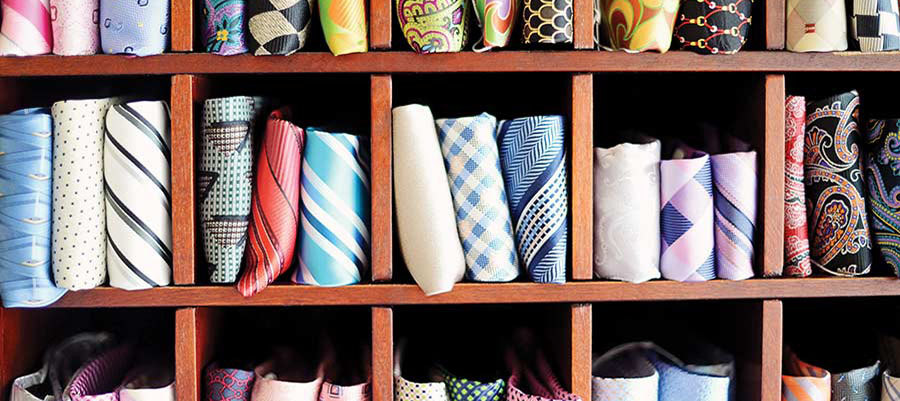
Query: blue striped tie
x=890, y=387
x=532, y=154
x=333, y=240
x=25, y=171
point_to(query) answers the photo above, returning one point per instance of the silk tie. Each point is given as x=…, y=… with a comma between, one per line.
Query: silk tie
x=138, y=200
x=439, y=28
x=224, y=180
x=274, y=206
x=334, y=210
x=20, y=388
x=650, y=31
x=890, y=387
x=79, y=220
x=802, y=381
x=278, y=26
x=713, y=27
x=538, y=384
x=462, y=389
x=883, y=182
x=137, y=27
x=624, y=373
x=861, y=384
x=224, y=30
x=875, y=25
x=334, y=392
x=407, y=390
x=76, y=27
x=496, y=19
x=98, y=379
x=25, y=209
x=470, y=154
x=626, y=212
x=840, y=233
x=687, y=217
x=344, y=25
x=676, y=382
x=796, y=240
x=151, y=382
x=61, y=361
x=426, y=225
x=228, y=384
x=816, y=26
x=734, y=196
x=26, y=28
x=547, y=21
x=166, y=393
x=268, y=386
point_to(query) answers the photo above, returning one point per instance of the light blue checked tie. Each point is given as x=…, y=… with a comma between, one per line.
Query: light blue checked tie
x=533, y=157
x=25, y=204
x=137, y=27
x=469, y=145
x=333, y=240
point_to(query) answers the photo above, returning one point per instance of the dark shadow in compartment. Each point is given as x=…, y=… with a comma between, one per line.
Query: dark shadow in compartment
x=19, y=93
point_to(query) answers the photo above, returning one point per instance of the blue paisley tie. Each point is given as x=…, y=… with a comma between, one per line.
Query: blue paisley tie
x=136, y=27
x=25, y=171
x=532, y=154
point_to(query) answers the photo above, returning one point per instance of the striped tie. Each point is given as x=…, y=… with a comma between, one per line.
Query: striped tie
x=136, y=159
x=734, y=182
x=334, y=216
x=804, y=382
x=76, y=28
x=687, y=217
x=98, y=379
x=890, y=387
x=796, y=236
x=532, y=154
x=276, y=197
x=25, y=170
x=860, y=384
x=26, y=29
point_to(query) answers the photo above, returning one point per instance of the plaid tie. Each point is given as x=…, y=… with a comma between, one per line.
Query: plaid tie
x=687, y=217
x=796, y=236
x=734, y=179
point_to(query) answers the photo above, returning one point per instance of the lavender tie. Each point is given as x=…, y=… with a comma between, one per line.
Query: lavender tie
x=734, y=179
x=686, y=218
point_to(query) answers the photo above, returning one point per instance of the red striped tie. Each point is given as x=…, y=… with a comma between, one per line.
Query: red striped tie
x=274, y=207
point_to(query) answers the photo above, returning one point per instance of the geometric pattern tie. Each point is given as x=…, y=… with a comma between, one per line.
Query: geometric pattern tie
x=547, y=21
x=99, y=379
x=796, y=236
x=274, y=206
x=344, y=25
x=224, y=29
x=334, y=210
x=277, y=26
x=532, y=155
x=25, y=204
x=356, y=392
x=734, y=196
x=136, y=161
x=875, y=25
x=405, y=390
x=686, y=196
x=461, y=389
x=137, y=27
x=816, y=26
x=76, y=27
x=713, y=27
x=228, y=384
x=890, y=387
x=804, y=382
x=883, y=181
x=469, y=146
x=861, y=384
x=26, y=29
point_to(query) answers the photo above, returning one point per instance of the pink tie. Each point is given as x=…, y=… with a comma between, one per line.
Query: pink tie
x=334, y=392
x=76, y=29
x=25, y=30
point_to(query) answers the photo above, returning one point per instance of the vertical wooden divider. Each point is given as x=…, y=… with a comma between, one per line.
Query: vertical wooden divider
x=582, y=178
x=775, y=23
x=772, y=339
x=185, y=88
x=196, y=333
x=182, y=25
x=381, y=183
x=583, y=24
x=582, y=348
x=380, y=24
x=771, y=188
x=382, y=353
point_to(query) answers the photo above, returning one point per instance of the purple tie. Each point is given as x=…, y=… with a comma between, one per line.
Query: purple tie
x=687, y=217
x=734, y=179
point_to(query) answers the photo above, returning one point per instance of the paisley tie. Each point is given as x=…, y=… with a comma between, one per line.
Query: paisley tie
x=344, y=25
x=890, y=386
x=802, y=381
x=861, y=384
x=137, y=27
x=533, y=158
x=438, y=28
x=277, y=26
x=651, y=29
x=796, y=240
x=334, y=210
x=98, y=379
x=26, y=28
x=713, y=27
x=875, y=25
x=734, y=196
x=224, y=30
x=25, y=209
x=496, y=19
x=883, y=180
x=547, y=21
x=462, y=389
x=137, y=156
x=228, y=384
x=816, y=26
x=274, y=206
x=624, y=373
x=76, y=28
x=470, y=154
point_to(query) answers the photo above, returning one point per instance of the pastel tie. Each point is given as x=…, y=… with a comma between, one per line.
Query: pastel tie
x=76, y=27
x=150, y=382
x=79, y=219
x=816, y=26
x=470, y=152
x=166, y=393
x=796, y=235
x=462, y=389
x=334, y=210
x=278, y=26
x=626, y=212
x=25, y=209
x=890, y=386
x=20, y=387
x=734, y=196
x=405, y=390
x=687, y=217
x=496, y=19
x=60, y=363
x=136, y=160
x=540, y=382
x=26, y=29
x=804, y=382
x=875, y=25
x=344, y=25
x=439, y=28
x=547, y=21
x=98, y=379
x=839, y=234
x=274, y=205
x=334, y=392
x=136, y=27
x=713, y=27
x=268, y=387
x=224, y=180
x=224, y=30
x=677, y=382
x=426, y=225
x=228, y=384
x=624, y=373
x=883, y=183
x=861, y=384
x=651, y=29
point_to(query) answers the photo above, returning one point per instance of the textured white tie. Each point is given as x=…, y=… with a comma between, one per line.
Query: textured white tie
x=166, y=393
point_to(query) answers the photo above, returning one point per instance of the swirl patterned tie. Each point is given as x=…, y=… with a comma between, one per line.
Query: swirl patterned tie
x=344, y=25
x=76, y=27
x=883, y=181
x=334, y=210
x=224, y=30
x=686, y=196
x=441, y=28
x=496, y=19
x=136, y=162
x=26, y=28
x=796, y=236
x=802, y=381
x=274, y=206
x=734, y=196
x=136, y=27
x=277, y=26
x=25, y=205
x=228, y=384
x=532, y=154
x=482, y=215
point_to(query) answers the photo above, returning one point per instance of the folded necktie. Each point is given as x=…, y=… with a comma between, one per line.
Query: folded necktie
x=279, y=379
x=334, y=210
x=137, y=27
x=890, y=386
x=20, y=387
x=626, y=212
x=496, y=19
x=802, y=381
x=461, y=389
x=834, y=187
x=434, y=27
x=334, y=392
x=539, y=384
x=883, y=181
x=228, y=384
x=278, y=26
x=25, y=209
x=344, y=25
x=713, y=27
x=470, y=152
x=875, y=25
x=796, y=236
x=861, y=384
x=640, y=25
x=533, y=158
x=734, y=196
x=624, y=373
x=98, y=379
x=406, y=390
x=76, y=27
x=224, y=29
x=426, y=225
x=61, y=361
x=678, y=382
x=149, y=383
x=547, y=21
x=816, y=26
x=26, y=28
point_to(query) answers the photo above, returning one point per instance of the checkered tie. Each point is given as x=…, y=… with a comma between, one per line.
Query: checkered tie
x=876, y=25
x=277, y=26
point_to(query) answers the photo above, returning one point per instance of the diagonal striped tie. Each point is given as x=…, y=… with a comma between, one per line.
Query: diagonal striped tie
x=276, y=197
x=890, y=386
x=532, y=153
x=26, y=29
x=734, y=196
x=136, y=160
x=804, y=382
x=334, y=212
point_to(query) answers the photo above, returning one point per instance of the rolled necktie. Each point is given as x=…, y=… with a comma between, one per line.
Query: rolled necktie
x=278, y=26
x=861, y=384
x=274, y=205
x=679, y=382
x=547, y=21
x=533, y=159
x=626, y=212
x=137, y=27
x=225, y=187
x=224, y=30
x=471, y=156
x=496, y=19
x=334, y=392
x=20, y=388
x=734, y=197
x=149, y=383
x=875, y=25
x=407, y=390
x=883, y=184
x=228, y=384
x=640, y=25
x=889, y=351
x=61, y=361
x=344, y=25
x=624, y=373
x=98, y=379
x=890, y=387
x=462, y=389
x=434, y=27
x=802, y=381
x=76, y=27
x=686, y=217
x=540, y=383
x=796, y=236
x=426, y=224
x=283, y=378
x=334, y=210
x=79, y=220
x=25, y=209
x=816, y=26
x=713, y=27
x=26, y=28
x=834, y=187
